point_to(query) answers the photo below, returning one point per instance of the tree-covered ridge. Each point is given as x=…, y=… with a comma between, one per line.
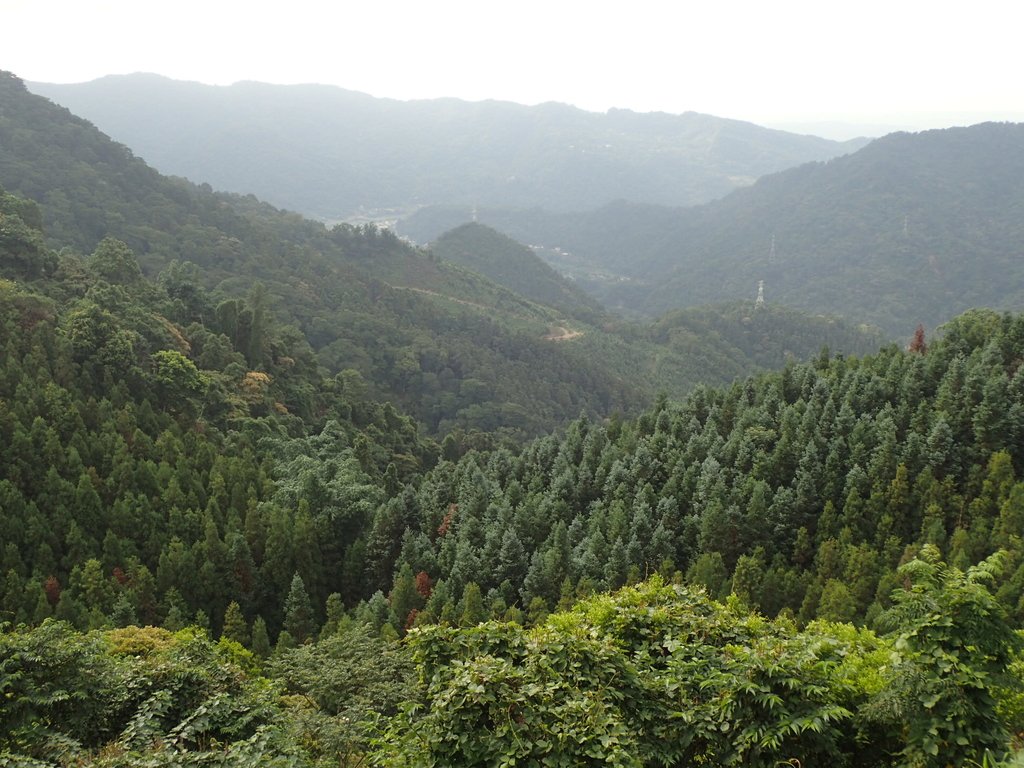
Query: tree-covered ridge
x=514, y=266
x=738, y=339
x=444, y=344
x=333, y=154
x=149, y=468
x=800, y=491
x=451, y=348
x=912, y=228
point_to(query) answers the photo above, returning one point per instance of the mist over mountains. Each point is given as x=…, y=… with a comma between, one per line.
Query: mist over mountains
x=451, y=347
x=335, y=154
x=913, y=228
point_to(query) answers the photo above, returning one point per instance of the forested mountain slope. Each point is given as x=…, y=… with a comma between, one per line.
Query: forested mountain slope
x=801, y=491
x=175, y=362
x=151, y=477
x=913, y=228
x=451, y=347
x=158, y=470
x=514, y=266
x=740, y=338
x=138, y=440
x=130, y=431
x=333, y=154
x=446, y=345
x=174, y=452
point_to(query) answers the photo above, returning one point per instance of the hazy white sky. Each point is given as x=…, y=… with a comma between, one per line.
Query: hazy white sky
x=893, y=62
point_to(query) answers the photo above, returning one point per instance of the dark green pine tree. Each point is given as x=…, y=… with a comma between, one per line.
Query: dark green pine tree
x=404, y=597
x=299, y=620
x=258, y=330
x=260, y=638
x=472, y=606
x=512, y=560
x=235, y=626
x=123, y=613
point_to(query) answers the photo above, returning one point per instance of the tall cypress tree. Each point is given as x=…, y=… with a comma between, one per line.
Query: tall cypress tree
x=298, y=612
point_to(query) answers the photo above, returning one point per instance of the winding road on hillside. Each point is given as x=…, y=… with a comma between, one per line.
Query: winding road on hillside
x=562, y=333
x=557, y=333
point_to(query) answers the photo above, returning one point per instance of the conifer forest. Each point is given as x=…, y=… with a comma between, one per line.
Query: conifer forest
x=276, y=492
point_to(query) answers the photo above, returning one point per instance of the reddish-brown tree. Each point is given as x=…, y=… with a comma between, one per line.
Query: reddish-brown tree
x=424, y=584
x=52, y=589
x=918, y=344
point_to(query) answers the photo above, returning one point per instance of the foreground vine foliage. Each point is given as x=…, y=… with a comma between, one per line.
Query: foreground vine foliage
x=134, y=697
x=660, y=675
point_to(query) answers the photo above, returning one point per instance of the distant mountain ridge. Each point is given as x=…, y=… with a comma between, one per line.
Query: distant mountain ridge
x=443, y=343
x=331, y=153
x=913, y=228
